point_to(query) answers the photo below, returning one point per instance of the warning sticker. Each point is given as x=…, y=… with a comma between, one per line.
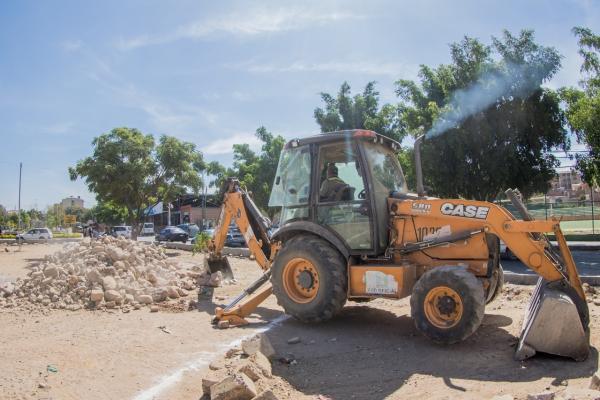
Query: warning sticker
x=377, y=282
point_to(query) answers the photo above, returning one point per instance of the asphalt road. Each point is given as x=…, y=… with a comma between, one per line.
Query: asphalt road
x=588, y=263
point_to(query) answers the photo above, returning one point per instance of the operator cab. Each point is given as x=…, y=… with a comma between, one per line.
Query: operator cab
x=340, y=182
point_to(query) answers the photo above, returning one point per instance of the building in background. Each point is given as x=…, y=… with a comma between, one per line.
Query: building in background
x=72, y=202
x=187, y=209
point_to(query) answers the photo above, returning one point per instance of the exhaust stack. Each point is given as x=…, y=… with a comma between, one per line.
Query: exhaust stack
x=418, y=166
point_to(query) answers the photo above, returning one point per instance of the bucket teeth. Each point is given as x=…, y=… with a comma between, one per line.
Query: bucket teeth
x=221, y=263
x=553, y=324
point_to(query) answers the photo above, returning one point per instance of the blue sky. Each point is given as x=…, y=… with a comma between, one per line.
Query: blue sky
x=212, y=72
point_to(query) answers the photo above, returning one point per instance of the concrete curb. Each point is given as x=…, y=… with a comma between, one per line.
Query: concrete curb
x=227, y=251
x=57, y=240
x=531, y=279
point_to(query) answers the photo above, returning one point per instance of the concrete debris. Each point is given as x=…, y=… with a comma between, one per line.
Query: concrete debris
x=541, y=396
x=257, y=343
x=595, y=382
x=294, y=340
x=266, y=395
x=105, y=273
x=235, y=387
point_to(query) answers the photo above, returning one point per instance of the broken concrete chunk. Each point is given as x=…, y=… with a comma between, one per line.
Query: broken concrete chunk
x=97, y=295
x=266, y=395
x=257, y=343
x=595, y=382
x=113, y=295
x=236, y=387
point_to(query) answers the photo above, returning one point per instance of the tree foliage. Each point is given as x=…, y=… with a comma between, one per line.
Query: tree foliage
x=490, y=124
x=127, y=170
x=360, y=111
x=583, y=106
x=255, y=171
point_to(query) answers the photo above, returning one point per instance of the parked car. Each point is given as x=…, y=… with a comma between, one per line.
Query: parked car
x=172, y=234
x=36, y=234
x=121, y=230
x=148, y=229
x=191, y=229
x=235, y=238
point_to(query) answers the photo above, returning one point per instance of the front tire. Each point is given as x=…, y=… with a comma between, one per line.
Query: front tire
x=447, y=304
x=309, y=279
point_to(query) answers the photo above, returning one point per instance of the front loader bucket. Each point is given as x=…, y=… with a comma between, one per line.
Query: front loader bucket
x=219, y=263
x=556, y=322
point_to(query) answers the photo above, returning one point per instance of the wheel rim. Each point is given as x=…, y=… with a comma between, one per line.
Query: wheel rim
x=443, y=307
x=300, y=280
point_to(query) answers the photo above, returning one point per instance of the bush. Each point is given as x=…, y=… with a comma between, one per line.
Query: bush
x=201, y=244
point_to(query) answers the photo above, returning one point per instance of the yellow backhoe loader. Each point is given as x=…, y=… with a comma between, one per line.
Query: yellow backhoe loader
x=350, y=230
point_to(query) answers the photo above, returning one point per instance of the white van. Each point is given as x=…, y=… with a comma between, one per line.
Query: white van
x=148, y=229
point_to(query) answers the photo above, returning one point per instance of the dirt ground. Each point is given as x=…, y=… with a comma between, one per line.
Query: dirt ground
x=370, y=351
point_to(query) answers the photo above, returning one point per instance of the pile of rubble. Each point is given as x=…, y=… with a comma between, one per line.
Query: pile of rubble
x=244, y=374
x=105, y=273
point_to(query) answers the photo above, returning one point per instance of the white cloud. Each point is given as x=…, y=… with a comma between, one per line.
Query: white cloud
x=242, y=23
x=393, y=69
x=225, y=146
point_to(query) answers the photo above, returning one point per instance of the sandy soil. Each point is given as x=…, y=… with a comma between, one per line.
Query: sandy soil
x=371, y=351
x=104, y=355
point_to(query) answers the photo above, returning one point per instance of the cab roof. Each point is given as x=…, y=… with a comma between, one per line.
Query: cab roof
x=345, y=135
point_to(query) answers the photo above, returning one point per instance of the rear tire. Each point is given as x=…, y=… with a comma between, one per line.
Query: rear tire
x=496, y=284
x=309, y=279
x=447, y=304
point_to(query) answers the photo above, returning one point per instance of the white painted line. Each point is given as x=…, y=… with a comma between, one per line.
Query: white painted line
x=202, y=361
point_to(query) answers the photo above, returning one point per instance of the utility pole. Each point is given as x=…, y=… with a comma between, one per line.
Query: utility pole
x=204, y=202
x=19, y=212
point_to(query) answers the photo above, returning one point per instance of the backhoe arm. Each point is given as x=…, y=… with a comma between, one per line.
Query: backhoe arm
x=239, y=207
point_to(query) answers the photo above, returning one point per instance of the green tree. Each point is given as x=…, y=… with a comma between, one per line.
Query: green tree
x=490, y=125
x=359, y=112
x=107, y=213
x=583, y=106
x=127, y=170
x=257, y=171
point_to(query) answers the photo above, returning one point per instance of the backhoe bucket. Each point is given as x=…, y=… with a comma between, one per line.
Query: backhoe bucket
x=556, y=322
x=219, y=263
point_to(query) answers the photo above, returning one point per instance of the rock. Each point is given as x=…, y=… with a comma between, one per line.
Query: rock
x=263, y=363
x=266, y=395
x=94, y=276
x=110, y=304
x=294, y=340
x=210, y=379
x=541, y=396
x=113, y=295
x=97, y=295
x=597, y=302
x=216, y=279
x=236, y=387
x=154, y=308
x=51, y=271
x=257, y=343
x=256, y=366
x=144, y=299
x=595, y=382
x=233, y=352
x=109, y=283
x=172, y=292
x=217, y=364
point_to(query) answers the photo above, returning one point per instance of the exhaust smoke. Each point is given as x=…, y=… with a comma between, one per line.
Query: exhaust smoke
x=506, y=83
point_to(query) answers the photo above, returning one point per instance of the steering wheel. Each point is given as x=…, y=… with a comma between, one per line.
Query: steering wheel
x=362, y=194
